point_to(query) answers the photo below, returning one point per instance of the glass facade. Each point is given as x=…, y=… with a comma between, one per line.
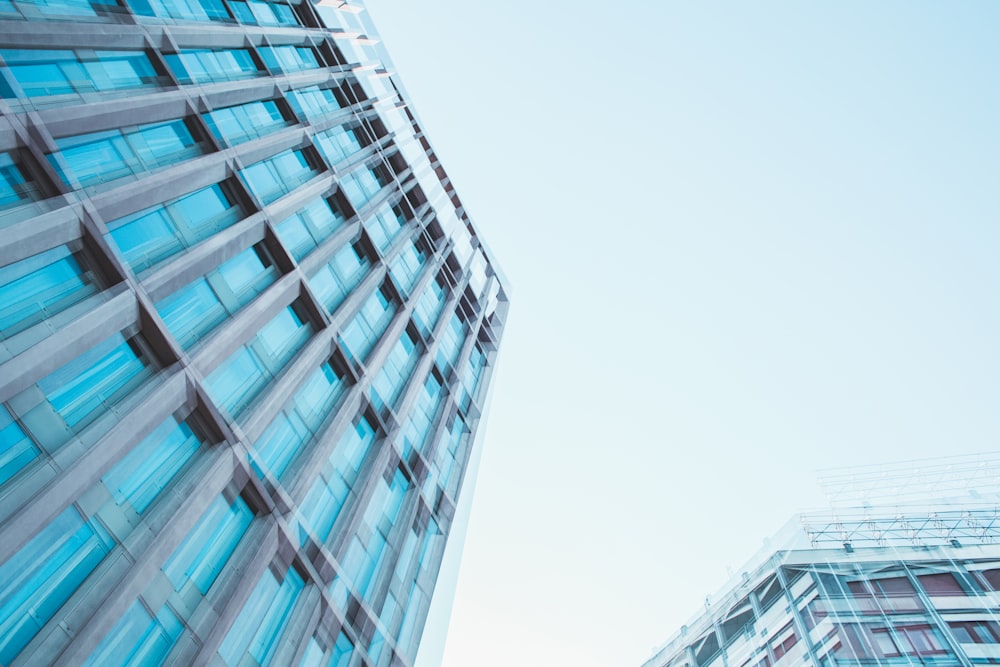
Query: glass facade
x=883, y=591
x=245, y=327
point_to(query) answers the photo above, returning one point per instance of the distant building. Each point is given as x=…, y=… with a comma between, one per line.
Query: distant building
x=247, y=332
x=875, y=586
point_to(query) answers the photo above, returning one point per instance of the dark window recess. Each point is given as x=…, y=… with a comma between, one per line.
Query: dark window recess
x=888, y=594
x=707, y=649
x=992, y=577
x=941, y=584
x=813, y=614
x=737, y=623
x=976, y=632
x=852, y=644
x=768, y=592
x=782, y=646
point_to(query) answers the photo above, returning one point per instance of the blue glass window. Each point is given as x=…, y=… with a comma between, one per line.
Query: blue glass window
x=376, y=645
x=317, y=395
x=256, y=630
x=57, y=8
x=71, y=398
x=338, y=143
x=471, y=376
x=305, y=230
x=428, y=307
x=416, y=598
x=333, y=281
x=281, y=442
x=271, y=178
x=313, y=656
x=238, y=380
x=299, y=420
x=138, y=639
x=342, y=652
x=16, y=185
x=234, y=125
x=192, y=312
x=40, y=286
x=263, y=13
x=383, y=226
x=366, y=556
x=451, y=342
x=288, y=58
x=392, y=377
x=313, y=102
x=406, y=267
x=100, y=157
x=418, y=425
x=188, y=10
x=16, y=448
x=50, y=72
x=360, y=186
x=416, y=605
x=326, y=498
x=206, y=66
x=448, y=454
x=242, y=376
x=149, y=467
x=195, y=310
x=86, y=387
x=204, y=552
x=154, y=234
x=244, y=276
x=39, y=578
x=433, y=539
x=361, y=333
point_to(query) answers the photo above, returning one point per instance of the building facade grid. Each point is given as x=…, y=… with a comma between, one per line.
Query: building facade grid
x=911, y=580
x=909, y=605
x=247, y=332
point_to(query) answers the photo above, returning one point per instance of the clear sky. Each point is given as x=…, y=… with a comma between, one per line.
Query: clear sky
x=746, y=241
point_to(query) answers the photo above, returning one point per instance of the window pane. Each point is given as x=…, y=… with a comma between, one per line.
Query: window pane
x=190, y=10
x=16, y=448
x=100, y=157
x=335, y=280
x=313, y=102
x=40, y=286
x=338, y=144
x=302, y=232
x=360, y=186
x=205, y=66
x=237, y=124
x=383, y=226
x=84, y=388
x=150, y=236
x=204, y=552
x=195, y=310
x=271, y=178
x=262, y=620
x=238, y=380
x=38, y=579
x=288, y=58
x=150, y=466
x=325, y=499
x=138, y=639
x=51, y=72
x=361, y=334
x=16, y=184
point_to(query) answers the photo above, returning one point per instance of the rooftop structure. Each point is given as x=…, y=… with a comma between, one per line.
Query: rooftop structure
x=898, y=584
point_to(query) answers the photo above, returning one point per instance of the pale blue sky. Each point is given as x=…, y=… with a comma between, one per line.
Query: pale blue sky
x=746, y=241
